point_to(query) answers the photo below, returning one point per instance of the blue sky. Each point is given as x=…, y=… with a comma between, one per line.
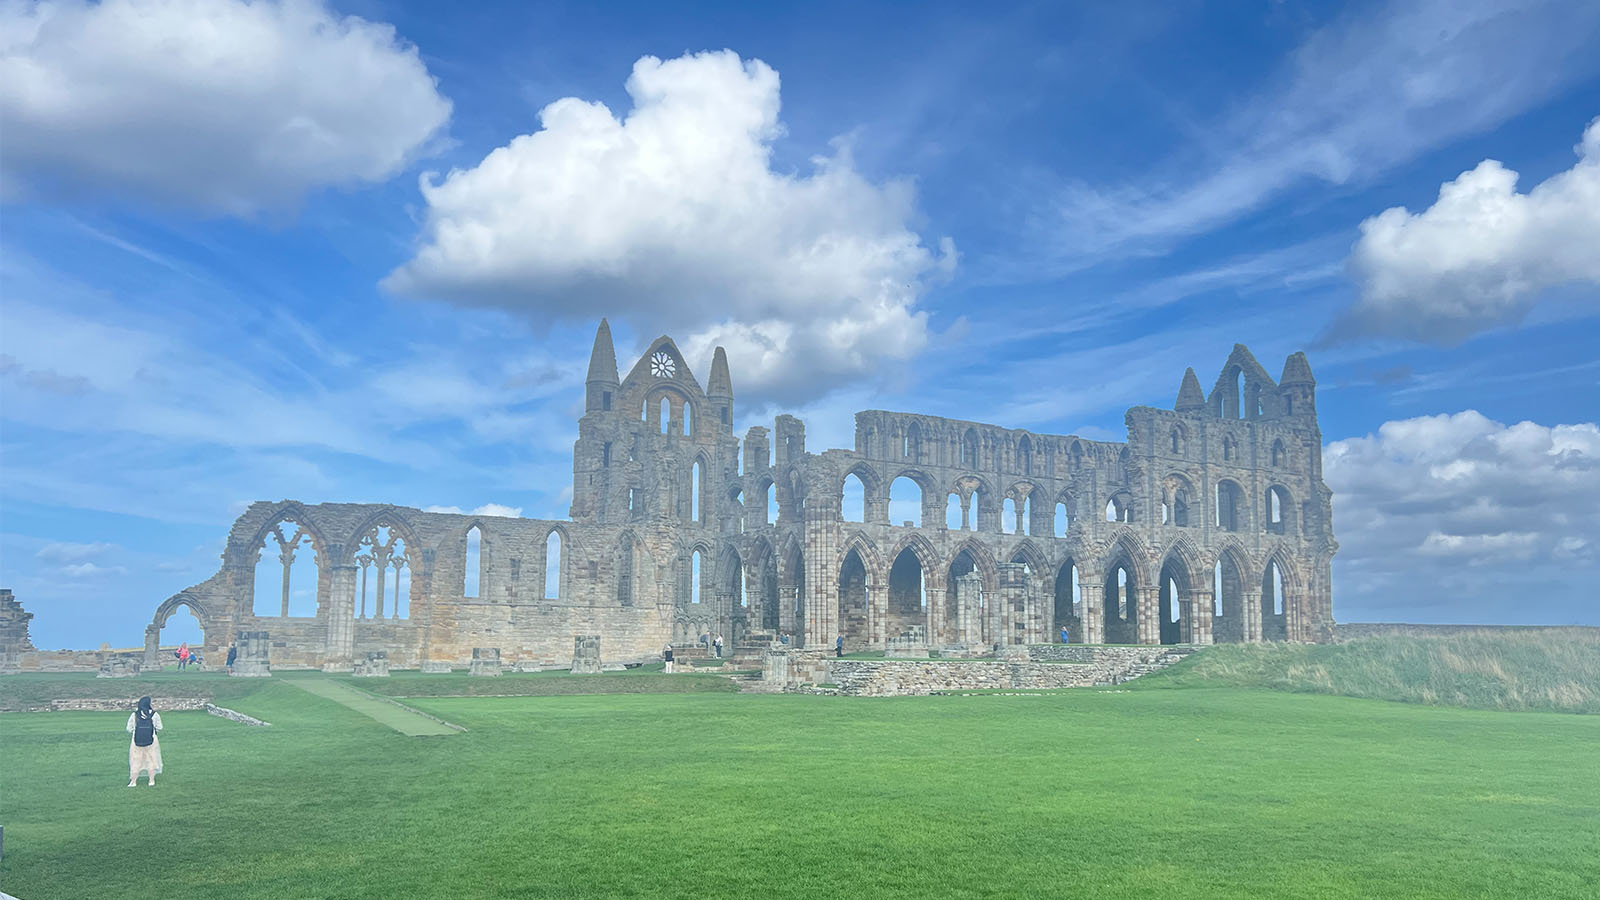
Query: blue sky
x=356, y=252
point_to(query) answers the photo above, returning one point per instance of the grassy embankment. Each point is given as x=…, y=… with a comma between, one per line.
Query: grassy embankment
x=1553, y=669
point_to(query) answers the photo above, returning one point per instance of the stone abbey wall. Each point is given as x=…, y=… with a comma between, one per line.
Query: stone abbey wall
x=1210, y=523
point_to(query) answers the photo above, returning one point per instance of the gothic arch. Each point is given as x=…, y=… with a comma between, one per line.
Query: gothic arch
x=863, y=545
x=1037, y=561
x=1125, y=542
x=391, y=517
x=171, y=605
x=1234, y=549
x=926, y=555
x=291, y=511
x=1184, y=549
x=982, y=561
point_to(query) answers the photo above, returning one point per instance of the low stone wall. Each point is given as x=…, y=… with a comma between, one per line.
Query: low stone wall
x=1035, y=667
x=160, y=704
x=895, y=678
x=1349, y=631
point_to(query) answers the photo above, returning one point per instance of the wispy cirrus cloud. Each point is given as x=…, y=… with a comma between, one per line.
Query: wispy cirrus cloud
x=1357, y=97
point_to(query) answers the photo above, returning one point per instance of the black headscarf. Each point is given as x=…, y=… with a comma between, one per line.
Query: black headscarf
x=145, y=711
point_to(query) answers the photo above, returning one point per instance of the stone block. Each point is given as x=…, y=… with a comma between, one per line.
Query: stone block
x=485, y=662
x=255, y=651
x=118, y=665
x=586, y=654
x=436, y=666
x=375, y=665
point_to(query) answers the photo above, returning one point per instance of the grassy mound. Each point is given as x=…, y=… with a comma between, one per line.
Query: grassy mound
x=544, y=684
x=1553, y=669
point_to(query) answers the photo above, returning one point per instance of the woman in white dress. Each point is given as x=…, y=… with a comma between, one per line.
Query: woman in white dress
x=144, y=754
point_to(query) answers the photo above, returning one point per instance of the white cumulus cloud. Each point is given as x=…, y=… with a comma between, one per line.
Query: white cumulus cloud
x=1480, y=255
x=222, y=106
x=488, y=509
x=1460, y=517
x=674, y=218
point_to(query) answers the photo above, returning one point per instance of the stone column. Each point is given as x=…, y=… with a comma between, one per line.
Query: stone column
x=1197, y=617
x=1094, y=616
x=339, y=654
x=877, y=613
x=1013, y=595
x=287, y=558
x=1148, y=600
x=1252, y=617
x=152, y=648
x=786, y=595
x=966, y=512
x=380, y=561
x=936, y=627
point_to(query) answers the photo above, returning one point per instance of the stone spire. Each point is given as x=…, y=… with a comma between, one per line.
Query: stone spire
x=721, y=383
x=603, y=359
x=1190, y=397
x=1296, y=370
x=600, y=389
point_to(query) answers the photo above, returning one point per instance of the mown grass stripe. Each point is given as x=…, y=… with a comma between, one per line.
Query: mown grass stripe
x=400, y=718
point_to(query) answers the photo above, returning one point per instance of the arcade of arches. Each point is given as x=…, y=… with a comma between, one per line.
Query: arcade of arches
x=1209, y=523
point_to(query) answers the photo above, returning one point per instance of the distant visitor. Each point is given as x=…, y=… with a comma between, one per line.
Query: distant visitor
x=144, y=754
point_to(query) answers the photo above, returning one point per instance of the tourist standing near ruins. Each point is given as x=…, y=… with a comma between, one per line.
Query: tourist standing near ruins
x=144, y=754
x=838, y=647
x=666, y=657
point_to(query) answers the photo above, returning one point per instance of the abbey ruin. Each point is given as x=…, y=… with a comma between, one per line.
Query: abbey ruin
x=1211, y=523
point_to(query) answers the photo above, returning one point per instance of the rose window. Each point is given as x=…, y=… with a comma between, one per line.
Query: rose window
x=662, y=365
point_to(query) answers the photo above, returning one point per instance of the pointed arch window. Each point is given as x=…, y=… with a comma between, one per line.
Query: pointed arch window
x=553, y=580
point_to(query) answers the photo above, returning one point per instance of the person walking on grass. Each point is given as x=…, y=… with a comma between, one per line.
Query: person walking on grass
x=838, y=647
x=1064, y=635
x=666, y=657
x=233, y=656
x=717, y=642
x=144, y=754
x=183, y=656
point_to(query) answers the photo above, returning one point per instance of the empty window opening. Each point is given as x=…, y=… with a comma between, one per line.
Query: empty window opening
x=905, y=501
x=953, y=513
x=552, y=566
x=853, y=506
x=1060, y=524
x=666, y=415
x=474, y=562
x=695, y=564
x=287, y=573
x=696, y=490
x=605, y=400
x=1068, y=603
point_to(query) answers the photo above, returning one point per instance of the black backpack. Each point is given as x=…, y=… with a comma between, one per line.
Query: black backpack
x=144, y=730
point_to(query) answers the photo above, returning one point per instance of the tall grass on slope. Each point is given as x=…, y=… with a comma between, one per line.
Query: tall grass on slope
x=1551, y=669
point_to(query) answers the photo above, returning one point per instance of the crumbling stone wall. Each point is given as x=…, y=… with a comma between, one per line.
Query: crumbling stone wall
x=670, y=535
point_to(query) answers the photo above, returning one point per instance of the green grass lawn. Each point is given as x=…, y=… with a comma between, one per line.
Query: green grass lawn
x=1200, y=792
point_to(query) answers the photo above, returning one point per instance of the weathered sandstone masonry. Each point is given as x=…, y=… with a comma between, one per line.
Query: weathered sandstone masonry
x=1210, y=523
x=1040, y=667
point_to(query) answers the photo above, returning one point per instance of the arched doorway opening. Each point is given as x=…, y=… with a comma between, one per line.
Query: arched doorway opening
x=853, y=613
x=908, y=597
x=1174, y=586
x=964, y=604
x=1227, y=617
x=1121, y=603
x=1068, y=603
